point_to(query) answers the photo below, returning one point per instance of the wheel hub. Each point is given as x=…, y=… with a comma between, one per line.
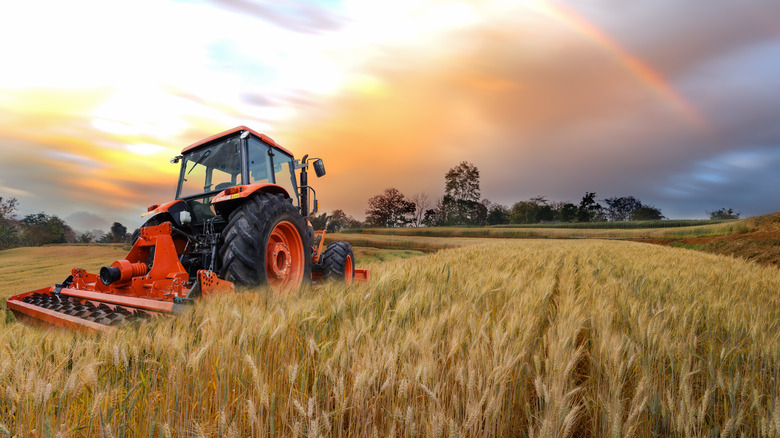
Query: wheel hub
x=284, y=258
x=279, y=259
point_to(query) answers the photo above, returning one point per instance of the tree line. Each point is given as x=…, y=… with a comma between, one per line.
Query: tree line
x=462, y=204
x=42, y=229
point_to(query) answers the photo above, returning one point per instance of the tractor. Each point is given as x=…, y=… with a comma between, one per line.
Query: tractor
x=239, y=218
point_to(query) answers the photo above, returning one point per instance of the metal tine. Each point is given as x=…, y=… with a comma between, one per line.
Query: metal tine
x=122, y=311
x=88, y=310
x=105, y=308
x=116, y=321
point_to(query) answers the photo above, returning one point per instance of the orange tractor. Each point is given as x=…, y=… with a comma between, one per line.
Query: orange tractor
x=240, y=217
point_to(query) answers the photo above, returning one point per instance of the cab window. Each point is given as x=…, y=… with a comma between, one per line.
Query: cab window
x=283, y=171
x=210, y=169
x=259, y=163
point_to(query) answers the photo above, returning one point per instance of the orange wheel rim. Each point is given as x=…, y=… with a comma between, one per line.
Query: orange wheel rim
x=348, y=270
x=284, y=262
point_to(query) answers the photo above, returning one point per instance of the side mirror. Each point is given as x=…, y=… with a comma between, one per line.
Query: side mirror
x=319, y=167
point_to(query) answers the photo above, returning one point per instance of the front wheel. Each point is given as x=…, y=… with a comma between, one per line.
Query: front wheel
x=338, y=262
x=265, y=243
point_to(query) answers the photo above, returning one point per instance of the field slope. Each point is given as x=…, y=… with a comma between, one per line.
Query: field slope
x=504, y=338
x=758, y=240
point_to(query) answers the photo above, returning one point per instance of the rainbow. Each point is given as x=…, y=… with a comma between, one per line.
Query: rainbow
x=635, y=66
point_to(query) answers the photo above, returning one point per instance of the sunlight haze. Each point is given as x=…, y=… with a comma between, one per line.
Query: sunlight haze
x=675, y=103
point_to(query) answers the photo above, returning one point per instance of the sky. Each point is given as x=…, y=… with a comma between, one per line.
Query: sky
x=676, y=103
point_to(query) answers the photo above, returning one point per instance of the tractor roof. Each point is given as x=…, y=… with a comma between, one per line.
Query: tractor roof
x=262, y=137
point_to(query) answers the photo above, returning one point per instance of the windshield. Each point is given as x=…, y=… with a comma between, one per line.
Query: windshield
x=211, y=169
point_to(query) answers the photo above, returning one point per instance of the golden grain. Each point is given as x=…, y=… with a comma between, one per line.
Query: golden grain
x=507, y=338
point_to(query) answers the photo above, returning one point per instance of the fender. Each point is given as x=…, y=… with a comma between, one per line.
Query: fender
x=225, y=200
x=244, y=191
x=172, y=208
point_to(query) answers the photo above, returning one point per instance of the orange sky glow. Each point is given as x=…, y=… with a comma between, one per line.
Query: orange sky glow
x=549, y=98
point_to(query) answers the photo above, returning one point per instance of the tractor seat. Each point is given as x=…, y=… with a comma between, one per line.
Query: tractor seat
x=223, y=186
x=200, y=211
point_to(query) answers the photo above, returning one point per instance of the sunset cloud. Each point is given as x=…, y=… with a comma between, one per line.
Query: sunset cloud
x=665, y=101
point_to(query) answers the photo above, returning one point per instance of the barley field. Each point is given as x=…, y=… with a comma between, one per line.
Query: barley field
x=606, y=230
x=536, y=338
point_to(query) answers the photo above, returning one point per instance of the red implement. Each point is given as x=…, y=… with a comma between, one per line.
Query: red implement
x=242, y=209
x=125, y=291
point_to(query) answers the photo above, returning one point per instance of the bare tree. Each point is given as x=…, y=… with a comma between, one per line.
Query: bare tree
x=8, y=208
x=421, y=203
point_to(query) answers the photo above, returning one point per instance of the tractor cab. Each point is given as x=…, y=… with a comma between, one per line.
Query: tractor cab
x=240, y=157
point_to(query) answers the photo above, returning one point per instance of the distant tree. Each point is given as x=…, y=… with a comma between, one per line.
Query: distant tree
x=117, y=234
x=86, y=237
x=389, y=209
x=41, y=229
x=544, y=211
x=478, y=213
x=461, y=212
x=98, y=234
x=568, y=212
x=622, y=208
x=646, y=213
x=354, y=223
x=589, y=210
x=523, y=212
x=447, y=212
x=8, y=208
x=319, y=221
x=462, y=182
x=497, y=215
x=119, y=231
x=723, y=214
x=436, y=215
x=334, y=222
x=431, y=218
x=9, y=234
x=70, y=235
x=532, y=211
x=338, y=221
x=461, y=202
x=545, y=214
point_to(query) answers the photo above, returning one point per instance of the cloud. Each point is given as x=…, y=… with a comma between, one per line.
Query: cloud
x=108, y=182
x=541, y=108
x=546, y=98
x=745, y=179
x=296, y=16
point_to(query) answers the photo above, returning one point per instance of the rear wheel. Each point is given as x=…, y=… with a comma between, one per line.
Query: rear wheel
x=265, y=242
x=338, y=262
